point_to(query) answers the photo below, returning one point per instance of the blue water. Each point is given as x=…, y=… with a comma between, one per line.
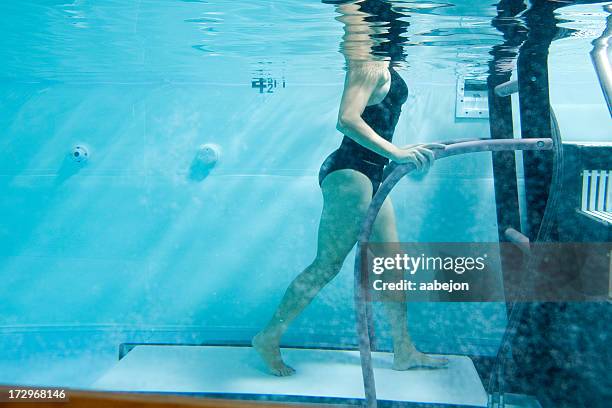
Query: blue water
x=131, y=247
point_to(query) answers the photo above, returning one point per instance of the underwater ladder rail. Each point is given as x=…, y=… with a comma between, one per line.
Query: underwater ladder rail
x=394, y=173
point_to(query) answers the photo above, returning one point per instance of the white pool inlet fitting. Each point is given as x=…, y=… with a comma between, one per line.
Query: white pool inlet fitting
x=79, y=153
x=209, y=154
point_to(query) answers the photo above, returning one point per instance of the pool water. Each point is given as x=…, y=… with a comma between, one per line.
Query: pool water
x=138, y=244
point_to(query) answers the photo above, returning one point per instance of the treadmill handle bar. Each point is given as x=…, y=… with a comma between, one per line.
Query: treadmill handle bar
x=395, y=173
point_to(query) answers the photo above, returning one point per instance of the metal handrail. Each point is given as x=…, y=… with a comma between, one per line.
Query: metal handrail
x=600, y=56
x=507, y=88
x=395, y=173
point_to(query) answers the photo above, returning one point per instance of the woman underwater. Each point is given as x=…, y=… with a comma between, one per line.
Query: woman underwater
x=369, y=111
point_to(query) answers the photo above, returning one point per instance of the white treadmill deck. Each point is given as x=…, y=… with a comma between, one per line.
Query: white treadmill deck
x=320, y=373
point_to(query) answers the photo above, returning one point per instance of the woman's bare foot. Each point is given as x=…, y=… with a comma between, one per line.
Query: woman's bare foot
x=269, y=351
x=409, y=357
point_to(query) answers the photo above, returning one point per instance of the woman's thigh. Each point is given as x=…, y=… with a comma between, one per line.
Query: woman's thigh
x=347, y=194
x=385, y=227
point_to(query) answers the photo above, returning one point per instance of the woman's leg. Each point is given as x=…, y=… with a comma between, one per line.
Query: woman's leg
x=346, y=197
x=406, y=355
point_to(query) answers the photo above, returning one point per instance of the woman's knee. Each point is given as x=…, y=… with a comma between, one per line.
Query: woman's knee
x=324, y=269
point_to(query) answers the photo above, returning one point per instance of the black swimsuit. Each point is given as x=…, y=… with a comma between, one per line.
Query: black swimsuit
x=381, y=117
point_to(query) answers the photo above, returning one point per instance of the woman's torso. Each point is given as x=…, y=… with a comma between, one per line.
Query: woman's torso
x=382, y=118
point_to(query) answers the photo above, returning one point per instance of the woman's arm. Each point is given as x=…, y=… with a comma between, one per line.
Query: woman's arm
x=359, y=85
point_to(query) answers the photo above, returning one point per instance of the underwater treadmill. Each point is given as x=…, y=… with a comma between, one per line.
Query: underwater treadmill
x=323, y=375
